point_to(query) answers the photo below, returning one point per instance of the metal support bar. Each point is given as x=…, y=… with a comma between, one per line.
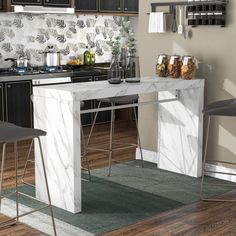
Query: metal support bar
x=217, y=172
x=224, y=162
x=130, y=105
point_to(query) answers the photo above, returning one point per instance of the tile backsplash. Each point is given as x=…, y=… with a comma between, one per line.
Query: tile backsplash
x=28, y=34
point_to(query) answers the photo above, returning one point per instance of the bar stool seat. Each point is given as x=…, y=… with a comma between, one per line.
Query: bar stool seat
x=113, y=101
x=10, y=133
x=219, y=108
x=122, y=100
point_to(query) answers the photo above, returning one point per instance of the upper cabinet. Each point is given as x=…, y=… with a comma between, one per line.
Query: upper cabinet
x=130, y=6
x=59, y=3
x=107, y=6
x=110, y=5
x=62, y=3
x=1, y=5
x=86, y=5
x=26, y=2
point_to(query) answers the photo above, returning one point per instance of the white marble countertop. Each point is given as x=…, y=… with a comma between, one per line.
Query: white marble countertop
x=102, y=89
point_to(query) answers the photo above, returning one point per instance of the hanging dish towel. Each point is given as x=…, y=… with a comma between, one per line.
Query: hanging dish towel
x=157, y=22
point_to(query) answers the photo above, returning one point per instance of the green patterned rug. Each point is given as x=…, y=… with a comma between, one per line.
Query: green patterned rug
x=131, y=194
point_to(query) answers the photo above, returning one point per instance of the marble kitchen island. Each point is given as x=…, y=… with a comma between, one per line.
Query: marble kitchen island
x=57, y=111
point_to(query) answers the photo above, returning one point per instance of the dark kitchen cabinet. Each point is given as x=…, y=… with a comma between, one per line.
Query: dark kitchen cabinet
x=86, y=5
x=1, y=5
x=57, y=3
x=1, y=103
x=26, y=2
x=130, y=6
x=18, y=105
x=103, y=116
x=110, y=5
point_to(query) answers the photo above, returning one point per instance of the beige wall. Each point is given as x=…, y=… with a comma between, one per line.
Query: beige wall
x=215, y=49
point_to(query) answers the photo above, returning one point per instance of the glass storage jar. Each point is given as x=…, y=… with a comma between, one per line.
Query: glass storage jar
x=188, y=68
x=162, y=65
x=174, y=66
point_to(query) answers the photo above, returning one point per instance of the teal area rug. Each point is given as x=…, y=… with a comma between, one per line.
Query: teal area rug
x=131, y=194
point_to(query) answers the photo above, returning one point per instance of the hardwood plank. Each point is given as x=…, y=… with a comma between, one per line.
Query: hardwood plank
x=201, y=218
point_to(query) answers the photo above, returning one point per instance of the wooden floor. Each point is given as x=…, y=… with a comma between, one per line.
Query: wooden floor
x=201, y=218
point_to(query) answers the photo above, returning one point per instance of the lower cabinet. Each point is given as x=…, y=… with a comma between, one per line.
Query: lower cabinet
x=17, y=103
x=1, y=103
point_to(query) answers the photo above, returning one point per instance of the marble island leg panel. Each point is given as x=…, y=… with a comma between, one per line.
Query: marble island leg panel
x=180, y=128
x=61, y=148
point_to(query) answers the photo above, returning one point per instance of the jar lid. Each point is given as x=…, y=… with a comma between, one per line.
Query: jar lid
x=163, y=55
x=175, y=56
x=188, y=56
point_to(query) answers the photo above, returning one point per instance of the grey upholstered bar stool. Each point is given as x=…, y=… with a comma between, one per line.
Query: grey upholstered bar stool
x=10, y=133
x=113, y=101
x=219, y=108
x=83, y=156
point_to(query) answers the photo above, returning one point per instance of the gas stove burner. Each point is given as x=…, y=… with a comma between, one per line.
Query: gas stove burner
x=22, y=70
x=51, y=69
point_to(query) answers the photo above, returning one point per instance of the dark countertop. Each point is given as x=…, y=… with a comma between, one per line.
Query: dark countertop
x=83, y=71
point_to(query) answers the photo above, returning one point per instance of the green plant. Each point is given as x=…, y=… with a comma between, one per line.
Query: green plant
x=115, y=45
x=129, y=34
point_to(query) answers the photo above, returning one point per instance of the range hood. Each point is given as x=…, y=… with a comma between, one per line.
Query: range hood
x=44, y=9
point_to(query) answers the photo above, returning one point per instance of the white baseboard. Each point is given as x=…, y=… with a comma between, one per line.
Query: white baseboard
x=212, y=167
x=149, y=156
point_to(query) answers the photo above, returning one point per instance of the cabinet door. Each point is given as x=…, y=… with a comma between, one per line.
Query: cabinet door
x=103, y=116
x=110, y=5
x=1, y=103
x=86, y=119
x=86, y=5
x=1, y=5
x=18, y=103
x=59, y=3
x=130, y=6
x=26, y=2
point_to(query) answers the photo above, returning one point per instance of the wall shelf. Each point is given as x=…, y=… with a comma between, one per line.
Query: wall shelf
x=202, y=12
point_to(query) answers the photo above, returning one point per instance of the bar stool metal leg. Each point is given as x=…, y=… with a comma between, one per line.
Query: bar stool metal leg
x=2, y=173
x=205, y=155
x=139, y=141
x=83, y=155
x=26, y=164
x=112, y=129
x=16, y=181
x=91, y=130
x=46, y=182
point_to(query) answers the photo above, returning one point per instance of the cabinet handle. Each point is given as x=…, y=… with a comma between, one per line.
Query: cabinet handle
x=91, y=79
x=118, y=8
x=38, y=0
x=126, y=8
x=8, y=86
x=47, y=1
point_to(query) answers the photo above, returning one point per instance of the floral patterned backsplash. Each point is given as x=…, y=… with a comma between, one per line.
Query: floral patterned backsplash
x=28, y=34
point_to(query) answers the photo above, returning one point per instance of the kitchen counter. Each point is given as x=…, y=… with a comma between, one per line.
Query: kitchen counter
x=57, y=111
x=84, y=71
